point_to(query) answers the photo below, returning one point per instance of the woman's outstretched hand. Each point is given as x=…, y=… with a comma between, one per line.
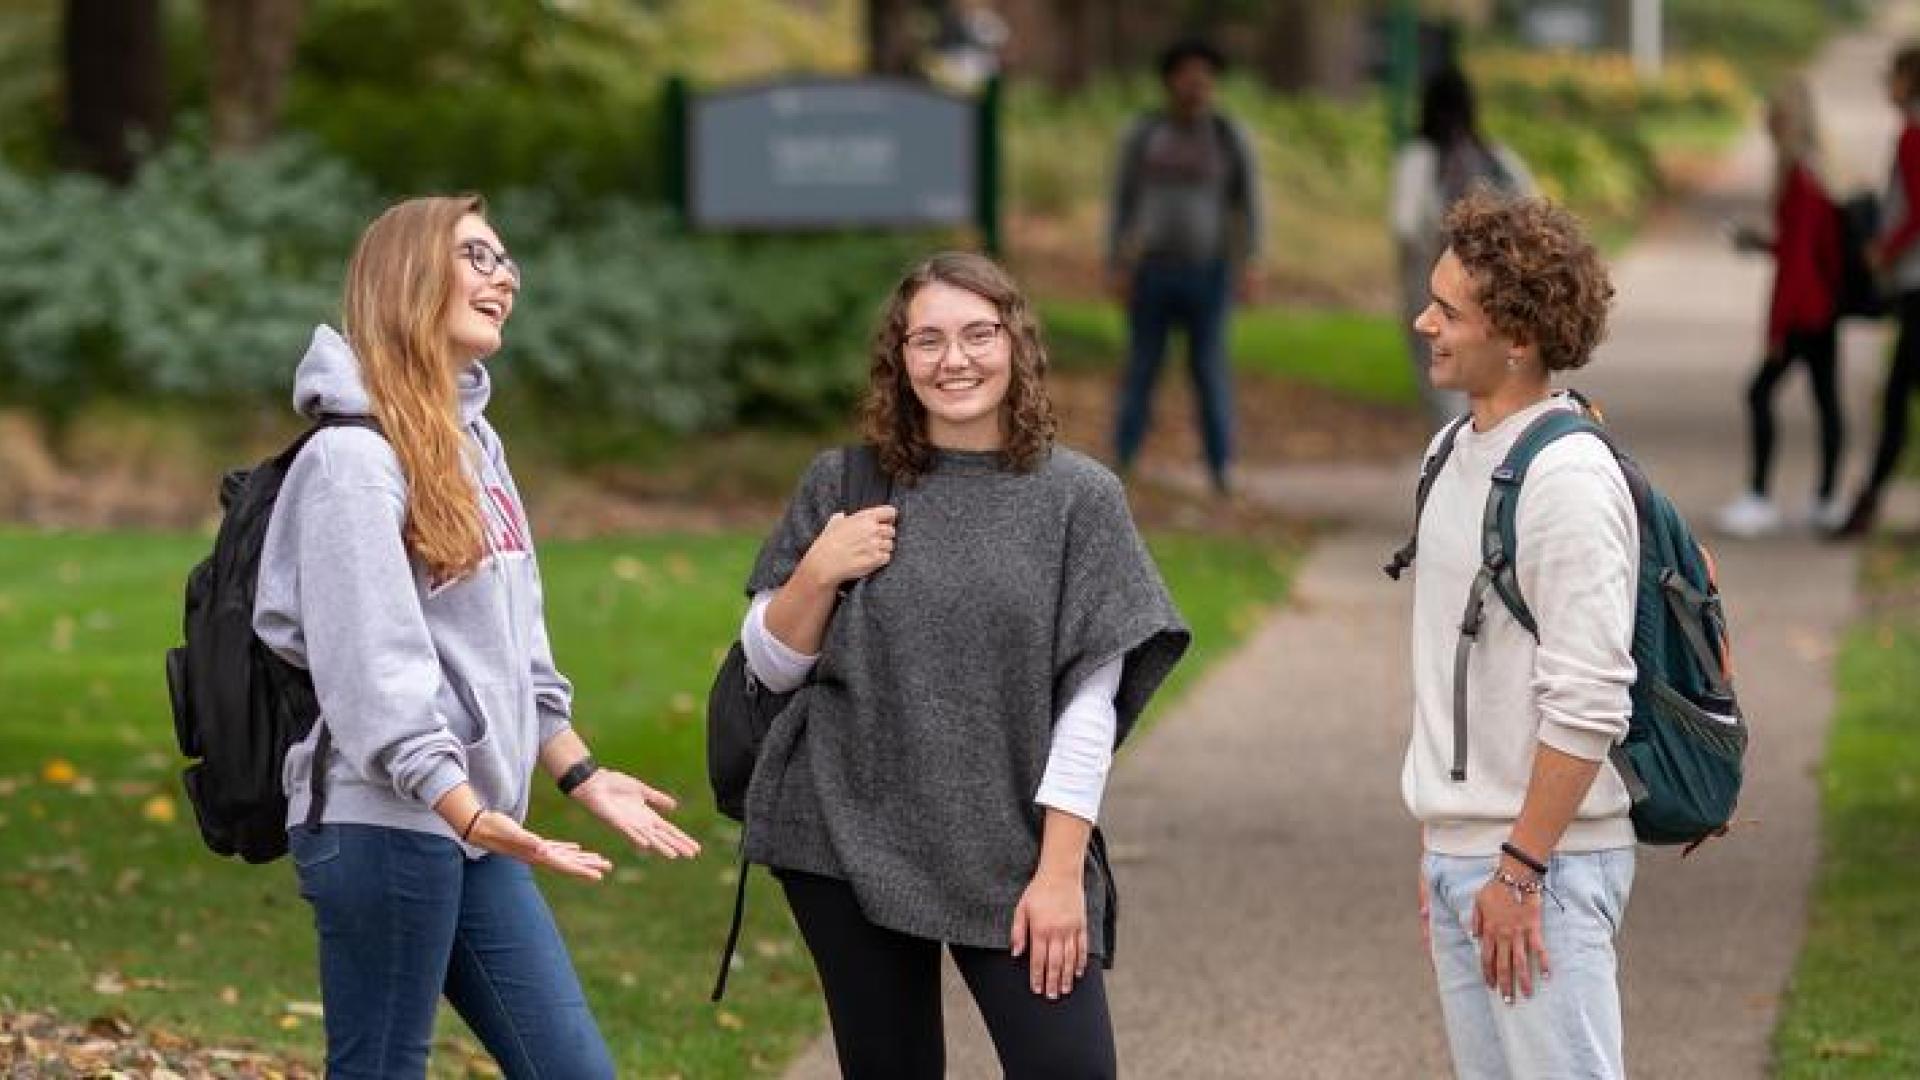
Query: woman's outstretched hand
x=497, y=833
x=633, y=809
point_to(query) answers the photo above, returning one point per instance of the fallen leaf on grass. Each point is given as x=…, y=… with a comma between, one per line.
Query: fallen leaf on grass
x=729, y=1020
x=310, y=1009
x=1828, y=1049
x=159, y=810
x=58, y=771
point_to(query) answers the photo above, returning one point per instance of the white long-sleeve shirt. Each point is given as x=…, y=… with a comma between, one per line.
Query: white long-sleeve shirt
x=1577, y=562
x=1080, y=755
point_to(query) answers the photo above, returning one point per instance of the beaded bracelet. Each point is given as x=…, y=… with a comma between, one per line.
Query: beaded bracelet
x=1523, y=888
x=1523, y=858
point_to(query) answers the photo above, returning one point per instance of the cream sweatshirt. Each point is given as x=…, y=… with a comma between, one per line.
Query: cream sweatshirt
x=1577, y=563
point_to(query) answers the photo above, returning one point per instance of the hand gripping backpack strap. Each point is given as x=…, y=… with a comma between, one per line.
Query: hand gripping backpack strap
x=1429, y=471
x=863, y=483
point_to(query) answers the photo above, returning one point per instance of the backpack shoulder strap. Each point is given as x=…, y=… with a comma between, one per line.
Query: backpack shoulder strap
x=1499, y=539
x=1238, y=180
x=863, y=483
x=1429, y=469
x=323, y=422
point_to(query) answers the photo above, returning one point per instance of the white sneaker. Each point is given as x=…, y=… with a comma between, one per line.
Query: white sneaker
x=1748, y=517
x=1826, y=515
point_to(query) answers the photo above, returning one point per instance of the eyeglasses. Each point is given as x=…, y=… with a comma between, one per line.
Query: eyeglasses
x=485, y=259
x=976, y=340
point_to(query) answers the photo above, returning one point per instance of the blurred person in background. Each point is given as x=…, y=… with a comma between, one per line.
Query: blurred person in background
x=1447, y=157
x=1895, y=256
x=1802, y=316
x=1183, y=243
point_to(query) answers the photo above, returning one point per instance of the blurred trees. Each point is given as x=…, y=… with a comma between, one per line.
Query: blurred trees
x=115, y=89
x=250, y=50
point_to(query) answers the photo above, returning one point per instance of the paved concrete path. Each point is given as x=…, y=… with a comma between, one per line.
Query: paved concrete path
x=1266, y=863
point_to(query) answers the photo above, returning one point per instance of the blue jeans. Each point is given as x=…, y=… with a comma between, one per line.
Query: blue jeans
x=403, y=917
x=1195, y=297
x=1570, y=1027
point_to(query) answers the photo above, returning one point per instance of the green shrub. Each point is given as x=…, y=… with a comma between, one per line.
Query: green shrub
x=203, y=280
x=194, y=281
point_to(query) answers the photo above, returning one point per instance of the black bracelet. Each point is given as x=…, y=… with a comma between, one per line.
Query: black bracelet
x=577, y=774
x=467, y=832
x=1524, y=859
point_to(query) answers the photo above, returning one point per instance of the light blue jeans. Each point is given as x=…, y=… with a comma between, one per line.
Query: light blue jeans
x=1570, y=1027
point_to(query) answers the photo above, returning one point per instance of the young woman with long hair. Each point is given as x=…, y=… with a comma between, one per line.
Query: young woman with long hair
x=971, y=655
x=398, y=569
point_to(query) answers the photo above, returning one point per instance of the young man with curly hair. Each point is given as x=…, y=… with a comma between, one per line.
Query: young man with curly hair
x=1528, y=847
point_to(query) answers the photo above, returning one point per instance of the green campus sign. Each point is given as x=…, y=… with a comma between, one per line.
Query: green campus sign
x=818, y=154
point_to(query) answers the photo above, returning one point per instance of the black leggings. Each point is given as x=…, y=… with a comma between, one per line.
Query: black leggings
x=883, y=995
x=1901, y=381
x=1820, y=351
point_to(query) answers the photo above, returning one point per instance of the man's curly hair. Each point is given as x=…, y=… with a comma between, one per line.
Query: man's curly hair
x=891, y=416
x=1537, y=276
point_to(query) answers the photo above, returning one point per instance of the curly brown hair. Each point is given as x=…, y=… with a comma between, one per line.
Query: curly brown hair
x=892, y=418
x=1535, y=274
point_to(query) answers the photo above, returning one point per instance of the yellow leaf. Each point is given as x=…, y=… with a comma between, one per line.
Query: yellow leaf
x=59, y=771
x=159, y=809
x=730, y=1021
x=289, y=1022
x=229, y=995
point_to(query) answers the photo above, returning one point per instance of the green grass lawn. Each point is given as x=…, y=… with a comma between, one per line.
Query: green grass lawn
x=1353, y=353
x=1853, y=1008
x=110, y=904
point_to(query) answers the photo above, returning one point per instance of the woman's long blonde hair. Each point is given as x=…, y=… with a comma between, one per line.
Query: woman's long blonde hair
x=394, y=315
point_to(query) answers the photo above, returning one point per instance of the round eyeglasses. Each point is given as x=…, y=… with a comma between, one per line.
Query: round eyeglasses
x=976, y=340
x=485, y=259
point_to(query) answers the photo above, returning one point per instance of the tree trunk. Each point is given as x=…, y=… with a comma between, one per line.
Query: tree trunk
x=1312, y=46
x=251, y=45
x=115, y=68
x=890, y=45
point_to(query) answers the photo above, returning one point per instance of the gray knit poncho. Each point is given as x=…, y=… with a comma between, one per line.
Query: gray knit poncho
x=908, y=765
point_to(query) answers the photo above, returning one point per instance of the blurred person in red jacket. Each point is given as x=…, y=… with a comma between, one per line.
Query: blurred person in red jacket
x=1895, y=257
x=1802, y=317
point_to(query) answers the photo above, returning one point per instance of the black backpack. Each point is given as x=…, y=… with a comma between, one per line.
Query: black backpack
x=1858, y=293
x=237, y=706
x=739, y=709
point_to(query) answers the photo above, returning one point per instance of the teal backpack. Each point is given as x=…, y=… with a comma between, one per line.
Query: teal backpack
x=1681, y=759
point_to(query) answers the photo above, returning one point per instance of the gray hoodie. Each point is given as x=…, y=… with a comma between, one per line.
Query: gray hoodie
x=422, y=684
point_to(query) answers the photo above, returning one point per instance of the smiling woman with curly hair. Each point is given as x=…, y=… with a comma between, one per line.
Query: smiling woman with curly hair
x=967, y=658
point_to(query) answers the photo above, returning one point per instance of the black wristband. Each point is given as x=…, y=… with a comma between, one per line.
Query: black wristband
x=1524, y=859
x=577, y=774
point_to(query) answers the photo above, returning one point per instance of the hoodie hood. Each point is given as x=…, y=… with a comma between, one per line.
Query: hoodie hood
x=328, y=382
